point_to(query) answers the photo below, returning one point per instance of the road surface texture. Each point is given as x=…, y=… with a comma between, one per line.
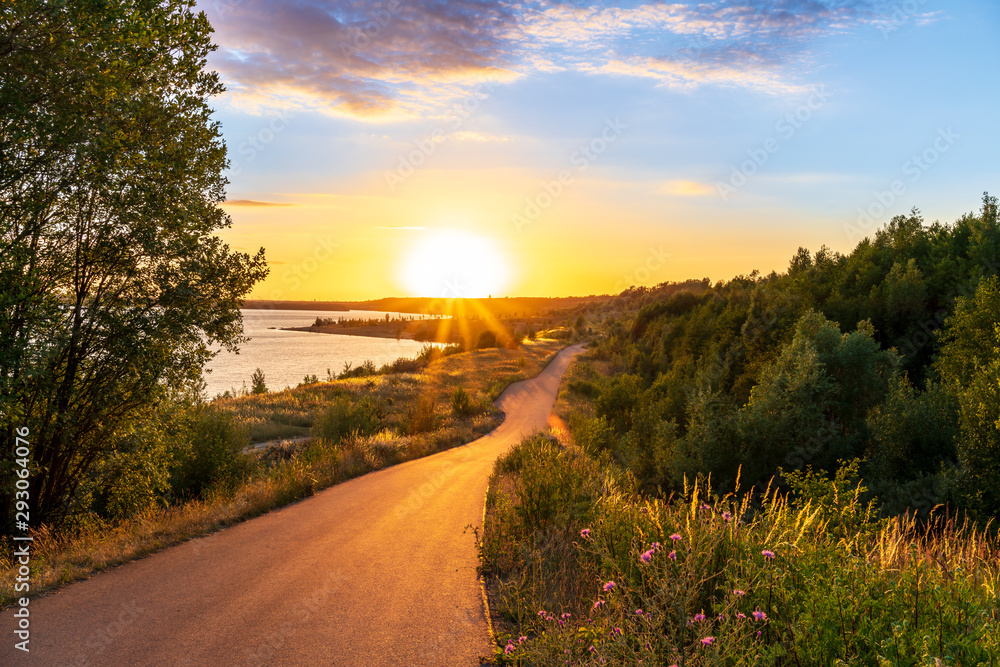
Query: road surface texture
x=379, y=570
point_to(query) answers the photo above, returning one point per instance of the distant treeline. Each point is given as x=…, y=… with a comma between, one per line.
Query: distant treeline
x=889, y=355
x=499, y=307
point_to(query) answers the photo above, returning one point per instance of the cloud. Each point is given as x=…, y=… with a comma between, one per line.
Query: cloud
x=405, y=58
x=359, y=58
x=251, y=202
x=400, y=228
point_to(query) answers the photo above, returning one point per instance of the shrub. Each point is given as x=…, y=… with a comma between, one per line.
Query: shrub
x=257, y=383
x=422, y=416
x=210, y=454
x=344, y=417
x=462, y=404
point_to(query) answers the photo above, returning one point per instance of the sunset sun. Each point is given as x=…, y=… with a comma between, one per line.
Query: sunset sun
x=449, y=264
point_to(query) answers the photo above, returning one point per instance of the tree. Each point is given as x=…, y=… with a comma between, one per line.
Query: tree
x=113, y=285
x=258, y=385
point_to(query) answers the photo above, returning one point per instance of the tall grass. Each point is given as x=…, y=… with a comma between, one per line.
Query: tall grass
x=583, y=570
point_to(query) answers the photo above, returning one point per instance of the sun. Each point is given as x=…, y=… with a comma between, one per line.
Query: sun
x=452, y=264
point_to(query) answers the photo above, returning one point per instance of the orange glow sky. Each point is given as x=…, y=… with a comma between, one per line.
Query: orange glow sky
x=692, y=140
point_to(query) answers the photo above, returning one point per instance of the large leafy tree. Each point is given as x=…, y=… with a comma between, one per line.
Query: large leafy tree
x=113, y=285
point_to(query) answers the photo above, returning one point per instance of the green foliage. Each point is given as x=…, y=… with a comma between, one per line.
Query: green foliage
x=209, y=453
x=703, y=580
x=755, y=373
x=463, y=405
x=114, y=284
x=258, y=384
x=345, y=417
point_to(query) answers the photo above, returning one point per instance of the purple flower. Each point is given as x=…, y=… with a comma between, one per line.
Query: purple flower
x=741, y=615
x=672, y=556
x=616, y=632
x=675, y=537
x=699, y=617
x=707, y=641
x=638, y=612
x=705, y=506
x=608, y=586
x=592, y=649
x=758, y=634
x=654, y=546
x=768, y=554
x=509, y=649
x=726, y=516
x=599, y=604
x=566, y=615
x=521, y=640
x=646, y=556
x=585, y=533
x=541, y=613
x=759, y=615
x=739, y=592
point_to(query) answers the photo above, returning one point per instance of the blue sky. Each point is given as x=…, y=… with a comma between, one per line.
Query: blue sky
x=723, y=135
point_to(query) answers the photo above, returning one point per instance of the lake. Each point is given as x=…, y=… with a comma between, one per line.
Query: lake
x=288, y=356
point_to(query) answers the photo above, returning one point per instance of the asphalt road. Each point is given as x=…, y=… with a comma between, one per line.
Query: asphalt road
x=379, y=570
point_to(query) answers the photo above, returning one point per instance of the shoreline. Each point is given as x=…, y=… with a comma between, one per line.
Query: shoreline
x=368, y=332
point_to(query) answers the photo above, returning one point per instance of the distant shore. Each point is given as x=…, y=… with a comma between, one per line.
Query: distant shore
x=382, y=331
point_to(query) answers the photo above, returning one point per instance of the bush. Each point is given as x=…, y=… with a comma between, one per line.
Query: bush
x=210, y=454
x=257, y=383
x=462, y=404
x=345, y=417
x=422, y=417
x=487, y=339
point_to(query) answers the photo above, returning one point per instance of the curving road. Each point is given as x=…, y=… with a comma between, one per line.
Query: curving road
x=376, y=571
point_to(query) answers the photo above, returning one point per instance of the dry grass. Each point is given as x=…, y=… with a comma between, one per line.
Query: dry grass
x=283, y=473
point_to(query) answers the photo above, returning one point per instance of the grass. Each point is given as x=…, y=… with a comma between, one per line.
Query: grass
x=282, y=473
x=706, y=580
x=694, y=580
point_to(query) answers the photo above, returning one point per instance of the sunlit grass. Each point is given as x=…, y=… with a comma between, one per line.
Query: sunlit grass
x=706, y=580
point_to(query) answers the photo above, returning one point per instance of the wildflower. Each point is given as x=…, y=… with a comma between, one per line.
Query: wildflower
x=741, y=615
x=608, y=586
x=616, y=631
x=592, y=649
x=509, y=648
x=675, y=537
x=541, y=613
x=585, y=533
x=758, y=634
x=726, y=516
x=672, y=556
x=598, y=604
x=646, y=556
x=699, y=617
x=638, y=612
x=521, y=640
x=707, y=641
x=759, y=615
x=705, y=507
x=654, y=546
x=739, y=592
x=566, y=615
x=768, y=554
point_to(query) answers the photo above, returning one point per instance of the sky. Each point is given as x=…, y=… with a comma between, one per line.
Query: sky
x=546, y=148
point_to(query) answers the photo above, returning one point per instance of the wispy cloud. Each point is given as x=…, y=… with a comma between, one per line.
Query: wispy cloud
x=410, y=57
x=251, y=202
